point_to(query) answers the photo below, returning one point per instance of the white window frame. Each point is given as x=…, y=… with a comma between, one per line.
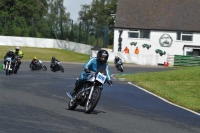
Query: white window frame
x=184, y=34
x=137, y=32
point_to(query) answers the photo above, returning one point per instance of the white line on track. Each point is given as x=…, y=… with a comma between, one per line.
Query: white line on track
x=159, y=97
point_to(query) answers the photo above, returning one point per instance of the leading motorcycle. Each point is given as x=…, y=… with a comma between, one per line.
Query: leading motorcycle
x=8, y=66
x=89, y=92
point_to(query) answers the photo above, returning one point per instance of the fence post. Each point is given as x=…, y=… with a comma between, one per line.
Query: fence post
x=71, y=33
x=106, y=36
x=79, y=35
x=5, y=26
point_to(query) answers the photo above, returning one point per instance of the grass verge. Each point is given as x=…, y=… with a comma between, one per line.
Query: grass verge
x=179, y=86
x=45, y=54
x=1, y=66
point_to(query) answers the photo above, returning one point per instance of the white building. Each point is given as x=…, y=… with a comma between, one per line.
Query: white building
x=158, y=27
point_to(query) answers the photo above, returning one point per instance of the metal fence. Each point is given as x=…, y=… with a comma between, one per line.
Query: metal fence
x=182, y=60
x=91, y=34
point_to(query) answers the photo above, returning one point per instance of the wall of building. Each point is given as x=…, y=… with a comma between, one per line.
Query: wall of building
x=156, y=37
x=151, y=60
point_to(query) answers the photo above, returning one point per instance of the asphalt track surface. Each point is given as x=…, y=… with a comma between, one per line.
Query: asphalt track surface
x=35, y=102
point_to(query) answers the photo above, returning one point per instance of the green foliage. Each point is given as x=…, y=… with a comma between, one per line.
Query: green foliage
x=33, y=18
x=99, y=14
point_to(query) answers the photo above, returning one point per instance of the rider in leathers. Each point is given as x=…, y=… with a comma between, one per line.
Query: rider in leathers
x=116, y=60
x=10, y=54
x=53, y=63
x=34, y=63
x=18, y=52
x=94, y=64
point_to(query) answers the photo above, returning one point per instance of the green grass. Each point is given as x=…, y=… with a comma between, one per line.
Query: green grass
x=1, y=66
x=45, y=54
x=181, y=86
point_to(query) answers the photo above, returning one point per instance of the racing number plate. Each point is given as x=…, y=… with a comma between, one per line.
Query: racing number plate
x=8, y=59
x=101, y=78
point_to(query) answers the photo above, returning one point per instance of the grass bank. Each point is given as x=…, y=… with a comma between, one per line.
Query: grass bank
x=181, y=86
x=45, y=54
x=1, y=66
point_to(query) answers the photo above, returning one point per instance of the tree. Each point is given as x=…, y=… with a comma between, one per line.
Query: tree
x=33, y=18
x=58, y=19
x=98, y=15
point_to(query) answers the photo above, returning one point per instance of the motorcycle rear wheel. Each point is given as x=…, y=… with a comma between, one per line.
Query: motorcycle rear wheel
x=90, y=105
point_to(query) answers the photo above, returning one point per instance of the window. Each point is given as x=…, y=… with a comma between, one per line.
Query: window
x=184, y=36
x=139, y=34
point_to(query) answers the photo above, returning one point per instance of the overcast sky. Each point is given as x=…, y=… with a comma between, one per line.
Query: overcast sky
x=74, y=6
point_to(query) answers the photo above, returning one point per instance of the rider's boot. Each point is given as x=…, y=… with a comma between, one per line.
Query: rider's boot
x=75, y=91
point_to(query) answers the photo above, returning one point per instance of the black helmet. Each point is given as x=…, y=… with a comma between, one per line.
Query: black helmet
x=101, y=54
x=53, y=57
x=10, y=51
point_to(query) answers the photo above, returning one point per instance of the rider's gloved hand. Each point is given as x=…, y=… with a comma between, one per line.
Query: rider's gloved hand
x=87, y=70
x=109, y=82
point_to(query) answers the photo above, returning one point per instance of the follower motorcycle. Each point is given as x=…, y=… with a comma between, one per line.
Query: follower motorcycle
x=119, y=66
x=58, y=67
x=16, y=63
x=39, y=66
x=89, y=92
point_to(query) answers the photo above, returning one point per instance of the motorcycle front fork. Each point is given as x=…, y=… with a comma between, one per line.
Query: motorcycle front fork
x=91, y=91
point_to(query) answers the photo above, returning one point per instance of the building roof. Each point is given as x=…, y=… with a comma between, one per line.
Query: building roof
x=182, y=15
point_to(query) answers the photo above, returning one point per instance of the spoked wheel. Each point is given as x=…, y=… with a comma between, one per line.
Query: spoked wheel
x=7, y=70
x=44, y=68
x=15, y=72
x=16, y=69
x=61, y=69
x=91, y=104
x=72, y=105
x=121, y=68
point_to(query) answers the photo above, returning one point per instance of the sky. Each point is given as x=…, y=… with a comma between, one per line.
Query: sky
x=74, y=6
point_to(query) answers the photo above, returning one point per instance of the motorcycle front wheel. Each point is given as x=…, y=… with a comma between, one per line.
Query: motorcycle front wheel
x=7, y=69
x=72, y=105
x=61, y=69
x=91, y=103
x=44, y=67
x=121, y=68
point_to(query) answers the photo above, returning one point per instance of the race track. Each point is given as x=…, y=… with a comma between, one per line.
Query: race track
x=35, y=102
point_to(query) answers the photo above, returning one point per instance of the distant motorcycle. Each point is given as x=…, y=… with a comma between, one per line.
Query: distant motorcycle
x=8, y=66
x=119, y=66
x=57, y=67
x=39, y=66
